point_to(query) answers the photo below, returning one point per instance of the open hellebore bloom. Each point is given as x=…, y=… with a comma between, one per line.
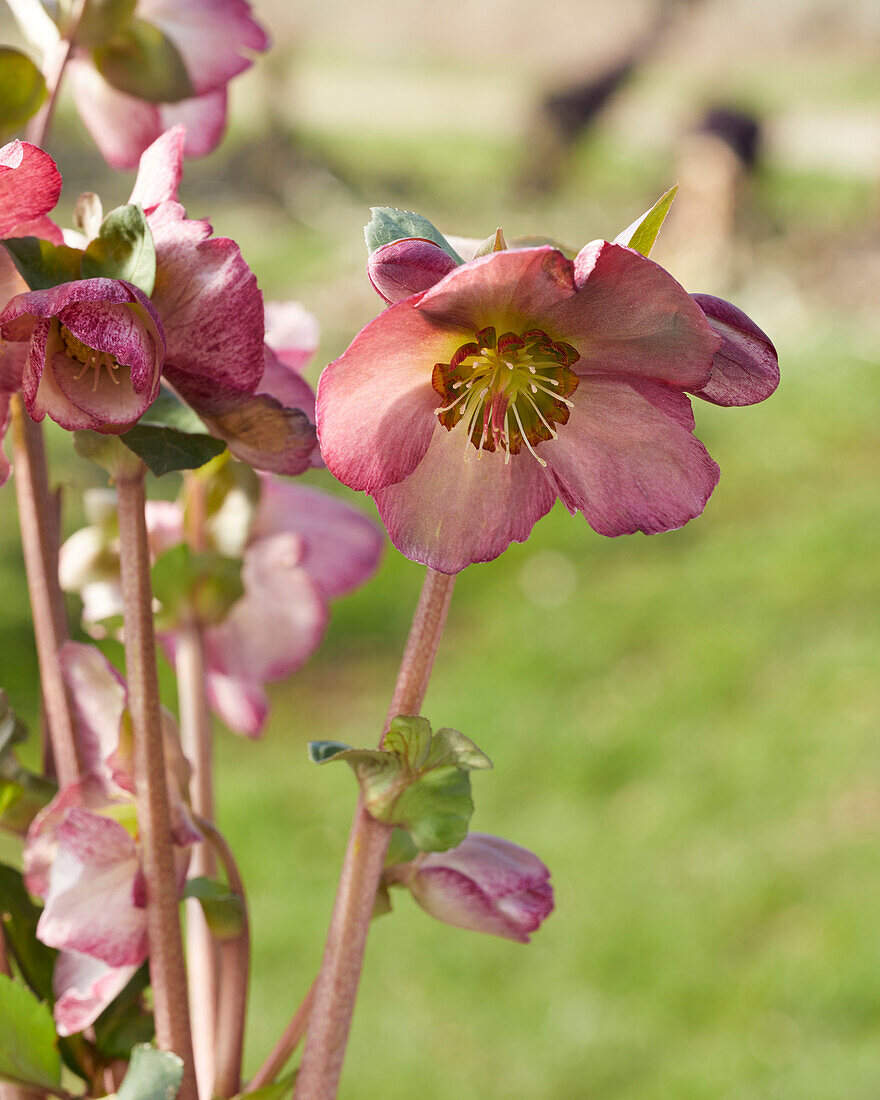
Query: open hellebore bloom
x=212, y=311
x=141, y=67
x=30, y=184
x=466, y=409
x=82, y=854
x=486, y=884
x=95, y=353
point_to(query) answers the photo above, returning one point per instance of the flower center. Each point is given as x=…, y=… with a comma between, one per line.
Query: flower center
x=90, y=358
x=509, y=391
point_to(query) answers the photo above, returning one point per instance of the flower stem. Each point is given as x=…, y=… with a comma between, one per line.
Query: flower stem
x=201, y=950
x=39, y=540
x=39, y=125
x=234, y=973
x=283, y=1050
x=167, y=971
x=337, y=982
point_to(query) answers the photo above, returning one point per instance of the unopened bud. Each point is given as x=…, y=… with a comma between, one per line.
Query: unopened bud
x=745, y=369
x=407, y=267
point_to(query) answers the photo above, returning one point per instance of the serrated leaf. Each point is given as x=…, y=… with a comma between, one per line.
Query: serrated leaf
x=152, y=1075
x=164, y=450
x=388, y=224
x=28, y=1053
x=22, y=90
x=42, y=264
x=224, y=910
x=123, y=249
x=143, y=62
x=642, y=234
x=19, y=915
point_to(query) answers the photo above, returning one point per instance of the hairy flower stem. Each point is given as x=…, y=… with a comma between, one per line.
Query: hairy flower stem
x=337, y=983
x=283, y=1050
x=201, y=950
x=39, y=540
x=167, y=971
x=235, y=956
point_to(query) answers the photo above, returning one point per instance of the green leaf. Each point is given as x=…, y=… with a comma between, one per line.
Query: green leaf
x=42, y=264
x=19, y=916
x=28, y=1052
x=143, y=62
x=642, y=234
x=152, y=1075
x=164, y=450
x=123, y=249
x=107, y=451
x=419, y=781
x=276, y=1091
x=401, y=849
x=187, y=583
x=22, y=90
x=168, y=411
x=224, y=910
x=388, y=224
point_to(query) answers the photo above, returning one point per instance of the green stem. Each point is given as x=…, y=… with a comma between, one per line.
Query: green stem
x=337, y=982
x=167, y=970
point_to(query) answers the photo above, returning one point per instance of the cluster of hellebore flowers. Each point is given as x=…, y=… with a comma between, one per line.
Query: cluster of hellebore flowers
x=494, y=381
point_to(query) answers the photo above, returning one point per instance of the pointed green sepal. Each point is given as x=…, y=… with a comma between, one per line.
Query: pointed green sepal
x=642, y=234
x=493, y=243
x=388, y=225
x=123, y=249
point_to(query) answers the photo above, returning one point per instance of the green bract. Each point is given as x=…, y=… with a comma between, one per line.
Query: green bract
x=144, y=63
x=388, y=224
x=418, y=781
x=123, y=249
x=642, y=234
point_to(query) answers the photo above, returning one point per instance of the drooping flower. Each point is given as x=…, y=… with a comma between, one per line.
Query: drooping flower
x=162, y=62
x=82, y=855
x=30, y=184
x=95, y=353
x=520, y=377
x=300, y=548
x=486, y=884
x=212, y=311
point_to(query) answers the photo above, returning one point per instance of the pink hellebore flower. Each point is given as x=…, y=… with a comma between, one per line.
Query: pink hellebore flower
x=212, y=38
x=486, y=884
x=30, y=184
x=304, y=549
x=212, y=311
x=82, y=854
x=95, y=353
x=467, y=408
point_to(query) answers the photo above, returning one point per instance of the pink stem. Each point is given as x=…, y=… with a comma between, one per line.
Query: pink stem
x=167, y=971
x=337, y=982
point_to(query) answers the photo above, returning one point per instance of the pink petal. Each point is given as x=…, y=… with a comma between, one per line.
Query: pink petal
x=284, y=382
x=37, y=227
x=83, y=988
x=208, y=300
x=90, y=905
x=745, y=369
x=99, y=698
x=204, y=118
x=628, y=459
x=30, y=184
x=513, y=291
x=341, y=546
x=160, y=170
x=243, y=706
x=164, y=525
x=631, y=317
x=292, y=333
x=376, y=405
x=278, y=622
x=121, y=126
x=461, y=506
x=211, y=35
x=259, y=429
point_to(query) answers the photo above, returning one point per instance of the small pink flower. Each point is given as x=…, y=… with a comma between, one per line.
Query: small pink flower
x=213, y=38
x=486, y=884
x=518, y=378
x=82, y=855
x=95, y=353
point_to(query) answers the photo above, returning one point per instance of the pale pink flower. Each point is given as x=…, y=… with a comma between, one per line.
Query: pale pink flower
x=486, y=884
x=520, y=377
x=214, y=40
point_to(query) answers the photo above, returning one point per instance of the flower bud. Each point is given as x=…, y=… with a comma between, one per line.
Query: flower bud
x=96, y=352
x=486, y=884
x=407, y=267
x=745, y=369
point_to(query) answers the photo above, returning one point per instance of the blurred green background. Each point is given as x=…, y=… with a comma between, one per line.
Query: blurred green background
x=684, y=727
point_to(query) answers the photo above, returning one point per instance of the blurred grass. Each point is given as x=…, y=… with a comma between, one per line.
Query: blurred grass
x=684, y=727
